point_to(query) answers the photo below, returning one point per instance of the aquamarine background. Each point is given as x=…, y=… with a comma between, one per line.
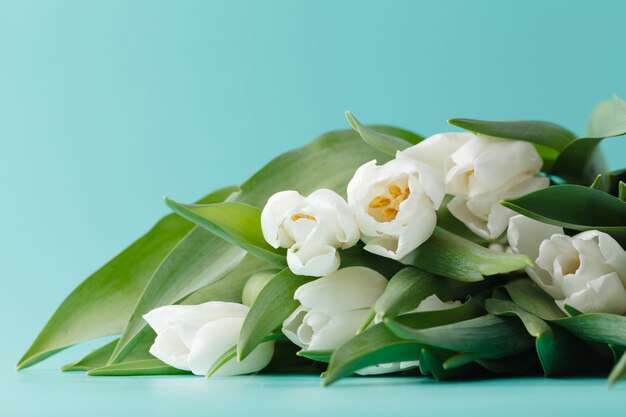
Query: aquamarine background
x=106, y=106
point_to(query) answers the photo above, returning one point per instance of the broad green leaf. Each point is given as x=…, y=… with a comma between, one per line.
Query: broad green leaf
x=580, y=162
x=428, y=319
x=336, y=154
x=135, y=368
x=316, y=355
x=596, y=327
x=451, y=256
x=199, y=259
x=527, y=295
x=559, y=352
x=542, y=133
x=374, y=346
x=104, y=302
x=237, y=223
x=227, y=289
x=411, y=285
x=230, y=287
x=574, y=207
x=619, y=371
x=489, y=335
x=381, y=141
x=272, y=306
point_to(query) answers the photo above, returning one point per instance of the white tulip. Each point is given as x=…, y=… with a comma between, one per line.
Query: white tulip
x=479, y=172
x=312, y=227
x=193, y=337
x=586, y=271
x=394, y=205
x=430, y=303
x=333, y=307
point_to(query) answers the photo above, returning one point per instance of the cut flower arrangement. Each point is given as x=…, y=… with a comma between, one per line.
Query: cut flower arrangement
x=496, y=250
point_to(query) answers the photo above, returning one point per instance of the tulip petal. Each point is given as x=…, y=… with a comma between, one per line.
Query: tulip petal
x=169, y=348
x=605, y=294
x=525, y=236
x=275, y=211
x=612, y=252
x=436, y=149
x=215, y=338
x=347, y=289
x=339, y=329
x=292, y=324
x=310, y=260
x=193, y=318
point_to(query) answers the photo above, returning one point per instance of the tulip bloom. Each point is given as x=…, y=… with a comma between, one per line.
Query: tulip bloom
x=312, y=227
x=586, y=271
x=333, y=307
x=394, y=205
x=193, y=337
x=479, y=172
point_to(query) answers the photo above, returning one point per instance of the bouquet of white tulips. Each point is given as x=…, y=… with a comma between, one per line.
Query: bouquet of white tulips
x=498, y=250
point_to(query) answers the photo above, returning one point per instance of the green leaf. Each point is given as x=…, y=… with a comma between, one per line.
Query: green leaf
x=411, y=285
x=580, y=162
x=239, y=224
x=272, y=306
x=227, y=289
x=453, y=257
x=489, y=335
x=199, y=259
x=316, y=355
x=574, y=207
x=559, y=352
x=230, y=288
x=374, y=346
x=618, y=372
x=527, y=295
x=427, y=319
x=380, y=141
x=135, y=368
x=596, y=327
x=337, y=154
x=542, y=133
x=104, y=302
x=622, y=191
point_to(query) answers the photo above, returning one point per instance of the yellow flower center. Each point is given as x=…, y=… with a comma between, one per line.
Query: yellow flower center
x=299, y=216
x=384, y=207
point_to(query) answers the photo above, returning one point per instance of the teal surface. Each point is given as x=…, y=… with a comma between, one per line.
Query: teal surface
x=106, y=106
